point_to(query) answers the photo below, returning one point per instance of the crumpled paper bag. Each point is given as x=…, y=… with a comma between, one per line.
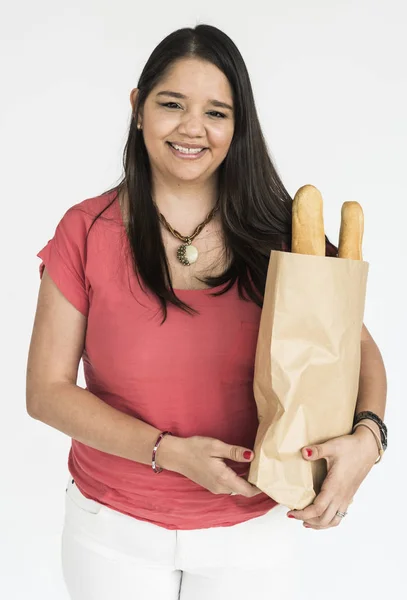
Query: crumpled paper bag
x=307, y=369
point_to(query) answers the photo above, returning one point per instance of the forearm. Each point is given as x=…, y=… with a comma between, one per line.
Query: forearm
x=84, y=417
x=372, y=380
x=372, y=385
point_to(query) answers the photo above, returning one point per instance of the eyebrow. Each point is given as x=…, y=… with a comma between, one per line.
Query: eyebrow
x=216, y=103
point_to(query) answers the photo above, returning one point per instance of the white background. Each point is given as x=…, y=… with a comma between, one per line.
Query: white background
x=330, y=84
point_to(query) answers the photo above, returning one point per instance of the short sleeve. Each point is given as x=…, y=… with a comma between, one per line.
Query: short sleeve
x=64, y=258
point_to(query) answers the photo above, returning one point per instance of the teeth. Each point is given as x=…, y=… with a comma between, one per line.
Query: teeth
x=187, y=150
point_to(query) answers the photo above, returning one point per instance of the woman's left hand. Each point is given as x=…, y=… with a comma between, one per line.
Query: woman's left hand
x=349, y=459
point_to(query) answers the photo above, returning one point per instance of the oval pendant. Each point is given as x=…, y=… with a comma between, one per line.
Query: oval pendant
x=187, y=254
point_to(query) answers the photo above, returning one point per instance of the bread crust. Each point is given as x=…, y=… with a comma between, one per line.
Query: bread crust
x=308, y=234
x=351, y=232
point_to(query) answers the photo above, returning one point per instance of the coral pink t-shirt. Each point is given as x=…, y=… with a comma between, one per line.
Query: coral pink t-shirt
x=193, y=375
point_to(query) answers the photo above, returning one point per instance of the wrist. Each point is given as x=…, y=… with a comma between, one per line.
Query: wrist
x=371, y=424
x=368, y=443
x=371, y=416
x=170, y=452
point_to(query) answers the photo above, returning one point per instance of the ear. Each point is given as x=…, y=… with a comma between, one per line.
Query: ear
x=133, y=98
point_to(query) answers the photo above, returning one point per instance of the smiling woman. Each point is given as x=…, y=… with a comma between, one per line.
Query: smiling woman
x=158, y=503
x=189, y=130
x=194, y=132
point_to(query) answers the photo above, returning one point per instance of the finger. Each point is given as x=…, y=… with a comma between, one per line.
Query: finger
x=311, y=453
x=329, y=519
x=336, y=519
x=244, y=488
x=235, y=453
x=330, y=450
x=314, y=510
x=317, y=451
x=254, y=488
x=324, y=520
x=239, y=486
x=255, y=492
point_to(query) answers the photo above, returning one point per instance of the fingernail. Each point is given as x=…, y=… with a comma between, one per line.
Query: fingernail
x=307, y=526
x=291, y=516
x=308, y=451
x=247, y=455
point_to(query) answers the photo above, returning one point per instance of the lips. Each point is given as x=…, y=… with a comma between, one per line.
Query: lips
x=187, y=146
x=187, y=155
x=187, y=149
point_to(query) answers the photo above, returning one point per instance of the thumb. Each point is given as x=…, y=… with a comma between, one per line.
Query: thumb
x=237, y=453
x=315, y=452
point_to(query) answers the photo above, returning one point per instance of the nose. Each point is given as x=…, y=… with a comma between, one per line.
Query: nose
x=191, y=125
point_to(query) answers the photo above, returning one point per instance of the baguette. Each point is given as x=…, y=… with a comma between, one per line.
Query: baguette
x=308, y=234
x=351, y=232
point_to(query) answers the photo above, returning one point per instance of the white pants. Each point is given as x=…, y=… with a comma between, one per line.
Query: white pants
x=108, y=555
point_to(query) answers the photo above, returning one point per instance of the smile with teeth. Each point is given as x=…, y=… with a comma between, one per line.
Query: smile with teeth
x=186, y=150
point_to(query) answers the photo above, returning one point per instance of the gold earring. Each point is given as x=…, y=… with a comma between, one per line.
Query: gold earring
x=139, y=126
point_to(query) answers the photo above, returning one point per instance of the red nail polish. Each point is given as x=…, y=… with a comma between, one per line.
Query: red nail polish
x=291, y=517
x=247, y=454
x=308, y=451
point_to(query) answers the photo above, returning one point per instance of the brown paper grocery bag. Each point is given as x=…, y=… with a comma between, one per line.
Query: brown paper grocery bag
x=306, y=370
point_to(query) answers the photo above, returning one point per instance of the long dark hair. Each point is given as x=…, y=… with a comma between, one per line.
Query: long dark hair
x=255, y=207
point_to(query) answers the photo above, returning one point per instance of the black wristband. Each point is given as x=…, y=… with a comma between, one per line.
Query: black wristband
x=367, y=414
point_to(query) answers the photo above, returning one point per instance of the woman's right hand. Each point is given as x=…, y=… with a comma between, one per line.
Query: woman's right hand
x=201, y=459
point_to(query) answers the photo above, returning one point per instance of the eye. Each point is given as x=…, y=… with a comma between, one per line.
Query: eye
x=170, y=104
x=217, y=114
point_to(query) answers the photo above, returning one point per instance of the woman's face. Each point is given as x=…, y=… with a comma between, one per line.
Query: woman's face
x=192, y=109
